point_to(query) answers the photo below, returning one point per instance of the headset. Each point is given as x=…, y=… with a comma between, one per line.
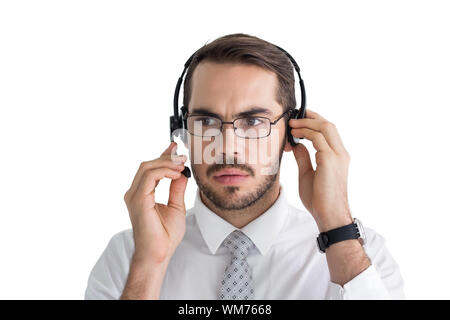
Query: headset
x=178, y=122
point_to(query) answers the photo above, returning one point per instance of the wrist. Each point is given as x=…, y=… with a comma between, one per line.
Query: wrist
x=145, y=260
x=145, y=279
x=331, y=223
x=350, y=231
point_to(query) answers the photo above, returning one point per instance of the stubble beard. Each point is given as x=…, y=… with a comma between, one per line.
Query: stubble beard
x=226, y=201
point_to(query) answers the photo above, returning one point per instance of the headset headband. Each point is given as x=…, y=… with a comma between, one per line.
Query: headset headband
x=294, y=63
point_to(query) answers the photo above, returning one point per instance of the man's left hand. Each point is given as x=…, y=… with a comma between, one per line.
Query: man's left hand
x=323, y=191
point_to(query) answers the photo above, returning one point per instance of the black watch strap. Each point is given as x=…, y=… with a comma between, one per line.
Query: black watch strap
x=326, y=239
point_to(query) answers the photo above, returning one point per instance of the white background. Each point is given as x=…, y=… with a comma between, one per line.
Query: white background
x=86, y=91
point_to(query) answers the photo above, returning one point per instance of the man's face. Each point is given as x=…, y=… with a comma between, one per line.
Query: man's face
x=231, y=171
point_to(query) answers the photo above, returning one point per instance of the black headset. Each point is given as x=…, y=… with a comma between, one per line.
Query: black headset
x=178, y=122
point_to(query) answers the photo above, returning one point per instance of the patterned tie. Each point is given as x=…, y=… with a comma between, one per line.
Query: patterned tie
x=237, y=283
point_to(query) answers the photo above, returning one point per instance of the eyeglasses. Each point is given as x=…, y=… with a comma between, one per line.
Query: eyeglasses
x=244, y=127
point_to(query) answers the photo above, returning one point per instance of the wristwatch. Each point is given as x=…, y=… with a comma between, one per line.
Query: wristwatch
x=354, y=230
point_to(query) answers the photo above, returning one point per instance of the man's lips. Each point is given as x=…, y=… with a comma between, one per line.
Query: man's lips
x=230, y=176
x=230, y=172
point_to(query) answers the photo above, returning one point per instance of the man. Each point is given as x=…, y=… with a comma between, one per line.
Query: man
x=242, y=240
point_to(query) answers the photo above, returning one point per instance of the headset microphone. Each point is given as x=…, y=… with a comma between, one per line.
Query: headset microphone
x=178, y=122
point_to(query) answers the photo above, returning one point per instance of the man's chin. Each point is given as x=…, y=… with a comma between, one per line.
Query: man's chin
x=227, y=190
x=229, y=197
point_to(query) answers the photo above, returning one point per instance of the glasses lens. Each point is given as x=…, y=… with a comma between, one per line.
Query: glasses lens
x=252, y=127
x=204, y=126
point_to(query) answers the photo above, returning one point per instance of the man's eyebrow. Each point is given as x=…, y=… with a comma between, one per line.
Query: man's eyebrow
x=204, y=112
x=255, y=110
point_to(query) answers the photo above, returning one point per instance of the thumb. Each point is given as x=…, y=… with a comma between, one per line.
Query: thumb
x=176, y=193
x=303, y=159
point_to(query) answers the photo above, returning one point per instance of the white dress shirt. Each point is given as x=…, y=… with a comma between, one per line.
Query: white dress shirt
x=285, y=261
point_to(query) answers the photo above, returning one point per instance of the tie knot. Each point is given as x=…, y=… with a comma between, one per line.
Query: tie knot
x=238, y=243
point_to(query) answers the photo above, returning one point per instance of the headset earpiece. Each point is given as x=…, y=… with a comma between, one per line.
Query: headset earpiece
x=295, y=114
x=178, y=127
x=174, y=126
x=184, y=137
x=183, y=119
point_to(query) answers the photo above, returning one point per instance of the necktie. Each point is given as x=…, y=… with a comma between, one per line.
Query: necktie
x=237, y=282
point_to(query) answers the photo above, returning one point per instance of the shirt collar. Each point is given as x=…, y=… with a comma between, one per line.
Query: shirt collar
x=262, y=231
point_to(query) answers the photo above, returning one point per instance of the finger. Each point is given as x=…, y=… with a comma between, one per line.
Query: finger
x=165, y=160
x=317, y=138
x=311, y=123
x=310, y=114
x=303, y=159
x=143, y=166
x=168, y=161
x=151, y=177
x=327, y=128
x=170, y=149
x=176, y=193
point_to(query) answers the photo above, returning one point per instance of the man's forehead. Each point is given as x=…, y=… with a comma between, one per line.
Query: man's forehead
x=234, y=90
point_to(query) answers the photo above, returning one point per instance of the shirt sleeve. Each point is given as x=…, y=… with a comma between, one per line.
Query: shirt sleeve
x=380, y=281
x=108, y=276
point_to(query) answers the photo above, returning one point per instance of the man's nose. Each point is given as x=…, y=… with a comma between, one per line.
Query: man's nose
x=232, y=147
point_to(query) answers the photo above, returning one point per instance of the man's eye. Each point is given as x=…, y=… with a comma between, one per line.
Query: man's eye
x=252, y=121
x=208, y=121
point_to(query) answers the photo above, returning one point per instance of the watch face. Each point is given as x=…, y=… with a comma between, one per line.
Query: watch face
x=361, y=231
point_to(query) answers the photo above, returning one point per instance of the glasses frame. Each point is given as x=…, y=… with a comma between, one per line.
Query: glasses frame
x=187, y=116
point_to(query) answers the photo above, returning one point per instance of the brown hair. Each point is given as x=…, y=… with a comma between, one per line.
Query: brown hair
x=247, y=49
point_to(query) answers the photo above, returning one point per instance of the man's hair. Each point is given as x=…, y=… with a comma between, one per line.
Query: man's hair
x=247, y=49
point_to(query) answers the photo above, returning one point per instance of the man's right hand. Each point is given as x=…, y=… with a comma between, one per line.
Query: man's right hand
x=157, y=228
